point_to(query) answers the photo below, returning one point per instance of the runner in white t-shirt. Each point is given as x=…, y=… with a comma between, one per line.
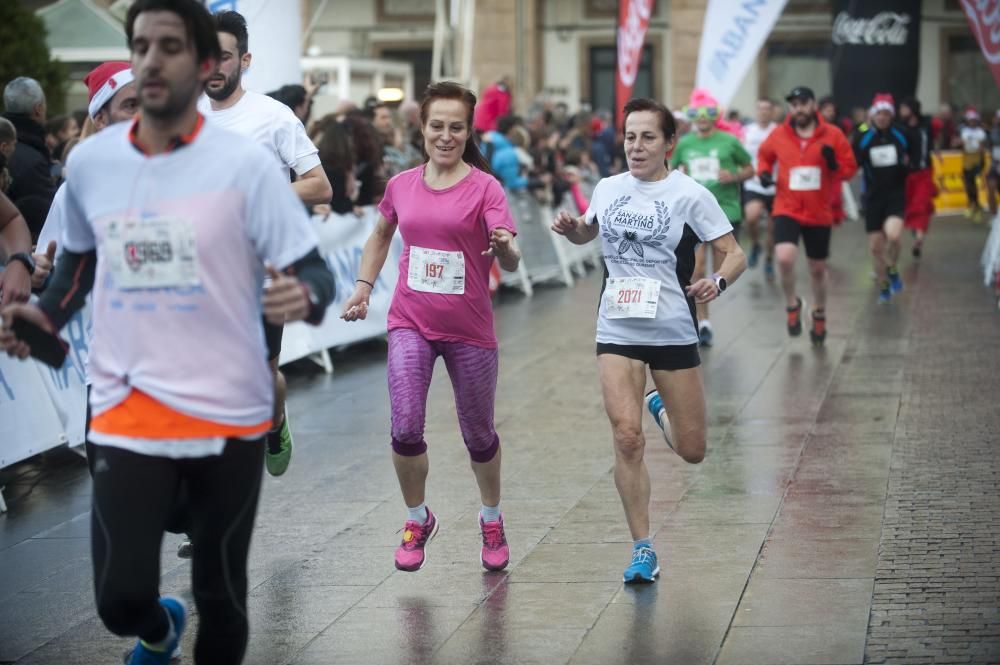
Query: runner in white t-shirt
x=756, y=197
x=175, y=249
x=650, y=220
x=273, y=125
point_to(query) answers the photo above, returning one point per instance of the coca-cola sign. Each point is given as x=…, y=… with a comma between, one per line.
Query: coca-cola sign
x=984, y=20
x=885, y=28
x=875, y=47
x=633, y=21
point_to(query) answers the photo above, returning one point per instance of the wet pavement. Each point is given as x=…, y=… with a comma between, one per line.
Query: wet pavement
x=846, y=512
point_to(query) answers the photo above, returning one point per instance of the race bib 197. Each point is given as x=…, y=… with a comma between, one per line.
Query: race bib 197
x=152, y=253
x=436, y=271
x=631, y=297
x=804, y=178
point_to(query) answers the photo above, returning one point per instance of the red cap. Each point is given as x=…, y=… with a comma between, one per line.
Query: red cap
x=104, y=81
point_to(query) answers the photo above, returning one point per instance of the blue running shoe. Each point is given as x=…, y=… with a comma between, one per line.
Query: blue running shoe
x=705, y=334
x=754, y=256
x=895, y=283
x=143, y=654
x=654, y=404
x=643, y=569
x=885, y=294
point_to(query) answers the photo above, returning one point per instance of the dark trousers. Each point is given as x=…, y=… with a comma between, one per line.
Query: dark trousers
x=135, y=499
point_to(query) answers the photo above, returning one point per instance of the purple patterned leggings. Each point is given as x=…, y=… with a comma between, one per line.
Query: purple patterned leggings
x=473, y=373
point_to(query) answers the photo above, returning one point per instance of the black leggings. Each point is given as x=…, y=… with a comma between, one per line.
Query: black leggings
x=969, y=177
x=134, y=498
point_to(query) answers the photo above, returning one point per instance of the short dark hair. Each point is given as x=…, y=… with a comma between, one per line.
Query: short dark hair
x=291, y=95
x=913, y=103
x=667, y=123
x=234, y=24
x=507, y=123
x=197, y=21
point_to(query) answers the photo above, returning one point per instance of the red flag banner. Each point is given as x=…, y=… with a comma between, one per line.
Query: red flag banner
x=984, y=19
x=633, y=21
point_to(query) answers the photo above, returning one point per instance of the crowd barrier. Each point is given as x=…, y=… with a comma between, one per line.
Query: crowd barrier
x=42, y=408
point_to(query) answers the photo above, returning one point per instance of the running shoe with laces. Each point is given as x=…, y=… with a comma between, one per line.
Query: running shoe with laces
x=705, y=333
x=754, y=256
x=279, y=449
x=644, y=569
x=410, y=555
x=818, y=331
x=144, y=654
x=795, y=317
x=186, y=549
x=654, y=404
x=495, y=553
x=885, y=294
x=895, y=282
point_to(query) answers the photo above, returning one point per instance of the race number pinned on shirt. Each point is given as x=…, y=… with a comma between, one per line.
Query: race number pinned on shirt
x=631, y=297
x=704, y=169
x=152, y=253
x=436, y=271
x=804, y=178
x=884, y=155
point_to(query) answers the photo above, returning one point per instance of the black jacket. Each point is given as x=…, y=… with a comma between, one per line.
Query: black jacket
x=884, y=155
x=31, y=164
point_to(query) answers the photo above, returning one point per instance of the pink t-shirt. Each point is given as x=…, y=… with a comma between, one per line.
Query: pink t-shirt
x=459, y=218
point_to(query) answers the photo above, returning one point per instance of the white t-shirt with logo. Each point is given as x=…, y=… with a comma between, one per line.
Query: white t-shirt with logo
x=973, y=138
x=648, y=233
x=271, y=124
x=188, y=232
x=753, y=137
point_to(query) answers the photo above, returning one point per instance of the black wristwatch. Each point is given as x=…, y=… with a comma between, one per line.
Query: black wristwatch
x=720, y=282
x=24, y=258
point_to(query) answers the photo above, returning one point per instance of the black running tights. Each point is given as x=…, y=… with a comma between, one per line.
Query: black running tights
x=134, y=497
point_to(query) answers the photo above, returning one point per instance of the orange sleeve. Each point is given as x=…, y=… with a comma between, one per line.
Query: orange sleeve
x=766, y=156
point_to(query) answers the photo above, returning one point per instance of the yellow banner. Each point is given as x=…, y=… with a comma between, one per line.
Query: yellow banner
x=951, y=187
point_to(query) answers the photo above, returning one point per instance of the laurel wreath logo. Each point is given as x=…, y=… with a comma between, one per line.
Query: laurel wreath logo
x=632, y=240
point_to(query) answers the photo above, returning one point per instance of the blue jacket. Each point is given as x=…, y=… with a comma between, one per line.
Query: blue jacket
x=503, y=161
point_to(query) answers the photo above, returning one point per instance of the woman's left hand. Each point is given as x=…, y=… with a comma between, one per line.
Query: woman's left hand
x=703, y=291
x=501, y=244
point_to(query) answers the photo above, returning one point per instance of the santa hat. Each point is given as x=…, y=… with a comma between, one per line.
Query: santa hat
x=971, y=113
x=883, y=102
x=104, y=81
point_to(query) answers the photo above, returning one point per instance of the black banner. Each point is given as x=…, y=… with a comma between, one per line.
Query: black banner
x=876, y=48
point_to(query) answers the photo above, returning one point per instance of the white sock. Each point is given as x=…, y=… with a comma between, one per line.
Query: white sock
x=490, y=514
x=418, y=514
x=704, y=323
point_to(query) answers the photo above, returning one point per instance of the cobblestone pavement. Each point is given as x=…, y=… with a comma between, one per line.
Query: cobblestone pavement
x=846, y=511
x=937, y=594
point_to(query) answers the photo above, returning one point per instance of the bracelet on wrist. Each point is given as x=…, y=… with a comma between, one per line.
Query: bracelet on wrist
x=365, y=281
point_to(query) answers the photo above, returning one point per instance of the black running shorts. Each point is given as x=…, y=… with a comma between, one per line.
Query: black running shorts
x=816, y=239
x=879, y=207
x=657, y=357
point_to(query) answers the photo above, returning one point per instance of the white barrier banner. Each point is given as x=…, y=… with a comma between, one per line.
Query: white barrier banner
x=731, y=38
x=28, y=421
x=341, y=241
x=67, y=386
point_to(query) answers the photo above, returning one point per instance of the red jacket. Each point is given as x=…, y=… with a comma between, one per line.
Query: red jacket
x=797, y=159
x=493, y=105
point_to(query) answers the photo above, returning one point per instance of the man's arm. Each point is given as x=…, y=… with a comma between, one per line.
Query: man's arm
x=67, y=292
x=313, y=187
x=15, y=238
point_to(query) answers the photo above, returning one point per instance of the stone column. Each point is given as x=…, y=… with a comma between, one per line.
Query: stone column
x=686, y=20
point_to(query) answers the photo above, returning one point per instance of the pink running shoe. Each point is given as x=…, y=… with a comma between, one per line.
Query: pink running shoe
x=495, y=553
x=410, y=554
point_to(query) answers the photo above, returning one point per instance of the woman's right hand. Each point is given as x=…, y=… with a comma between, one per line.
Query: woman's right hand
x=356, y=307
x=564, y=223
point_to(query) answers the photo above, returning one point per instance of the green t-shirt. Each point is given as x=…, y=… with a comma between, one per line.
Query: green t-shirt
x=703, y=158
